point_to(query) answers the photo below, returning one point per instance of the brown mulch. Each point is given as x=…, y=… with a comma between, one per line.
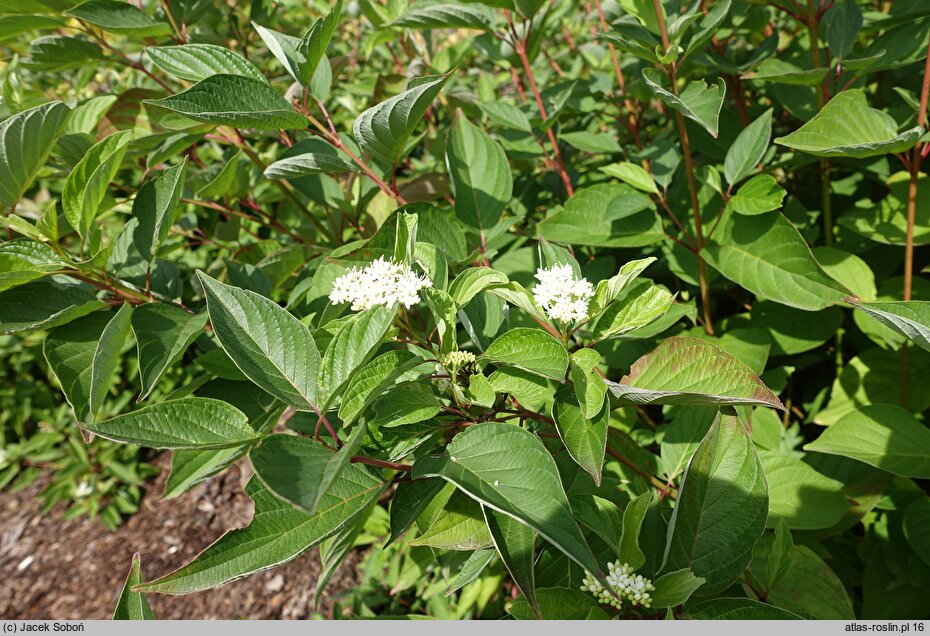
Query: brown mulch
x=55, y=568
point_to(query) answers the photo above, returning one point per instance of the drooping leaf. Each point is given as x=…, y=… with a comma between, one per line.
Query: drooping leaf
x=106, y=357
x=87, y=184
x=163, y=333
x=410, y=499
x=194, y=62
x=471, y=569
x=472, y=281
x=767, y=255
x=155, y=206
x=26, y=139
x=632, y=174
x=133, y=606
x=384, y=130
x=268, y=344
x=634, y=515
x=883, y=435
x=327, y=160
x=530, y=349
x=848, y=127
x=584, y=438
x=911, y=318
x=480, y=173
x=515, y=543
x=277, y=534
x=698, y=102
x=721, y=507
x=301, y=470
x=185, y=423
x=691, y=371
x=233, y=100
x=46, y=303
x=508, y=469
x=458, y=526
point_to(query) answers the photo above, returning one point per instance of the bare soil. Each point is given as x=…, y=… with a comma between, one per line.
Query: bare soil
x=56, y=568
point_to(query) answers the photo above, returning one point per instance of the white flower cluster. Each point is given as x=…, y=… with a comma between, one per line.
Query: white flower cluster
x=84, y=489
x=624, y=584
x=455, y=360
x=380, y=283
x=561, y=295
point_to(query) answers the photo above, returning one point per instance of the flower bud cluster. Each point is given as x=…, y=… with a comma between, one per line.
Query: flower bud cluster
x=561, y=295
x=623, y=583
x=382, y=283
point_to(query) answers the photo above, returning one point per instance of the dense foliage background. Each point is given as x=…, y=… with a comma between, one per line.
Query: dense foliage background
x=571, y=309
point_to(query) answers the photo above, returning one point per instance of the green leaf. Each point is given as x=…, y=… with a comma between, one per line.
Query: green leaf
x=13, y=25
x=471, y=569
x=185, y=423
x=87, y=184
x=598, y=143
x=605, y=215
x=299, y=470
x=759, y=195
x=584, y=438
x=446, y=16
x=848, y=127
x=843, y=20
x=480, y=174
x=46, y=303
x=768, y=256
x=609, y=290
x=674, y=588
x=588, y=386
x=277, y=534
x=404, y=405
x=739, y=609
x=515, y=543
x=163, y=333
x=911, y=318
x=285, y=48
x=410, y=499
x=384, y=130
x=800, y=496
x=633, y=174
x=506, y=115
x=806, y=586
x=707, y=28
x=352, y=346
x=119, y=17
x=327, y=160
x=633, y=517
x=698, y=102
x=155, y=206
x=508, y=469
x=106, y=357
x=195, y=62
x=472, y=281
x=133, y=606
x=460, y=526
x=748, y=148
x=721, y=507
x=312, y=46
x=882, y=435
x=269, y=345
x=643, y=305
x=691, y=371
x=83, y=355
x=372, y=380
x=917, y=527
x=530, y=349
x=233, y=100
x=26, y=139
x=560, y=603
x=781, y=72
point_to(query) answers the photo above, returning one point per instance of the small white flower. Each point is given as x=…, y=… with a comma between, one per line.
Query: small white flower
x=84, y=489
x=624, y=585
x=561, y=295
x=382, y=283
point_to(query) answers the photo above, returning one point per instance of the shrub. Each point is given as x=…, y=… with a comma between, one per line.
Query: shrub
x=502, y=284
